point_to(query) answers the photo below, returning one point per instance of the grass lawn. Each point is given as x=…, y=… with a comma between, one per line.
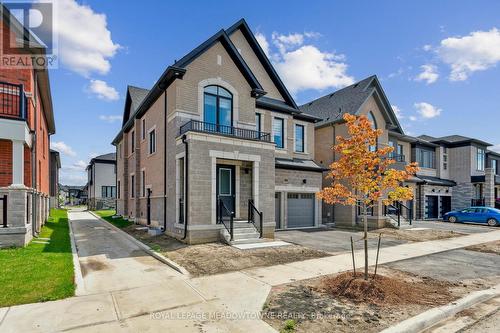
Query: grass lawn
x=108, y=216
x=39, y=272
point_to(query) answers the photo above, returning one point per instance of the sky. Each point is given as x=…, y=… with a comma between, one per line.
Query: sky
x=438, y=61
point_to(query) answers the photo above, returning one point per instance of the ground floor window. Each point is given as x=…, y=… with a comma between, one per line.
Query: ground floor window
x=108, y=191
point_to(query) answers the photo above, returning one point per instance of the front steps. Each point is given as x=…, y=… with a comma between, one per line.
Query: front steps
x=243, y=233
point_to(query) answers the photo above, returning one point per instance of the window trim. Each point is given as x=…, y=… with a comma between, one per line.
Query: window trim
x=303, y=151
x=143, y=129
x=283, y=132
x=480, y=152
x=152, y=130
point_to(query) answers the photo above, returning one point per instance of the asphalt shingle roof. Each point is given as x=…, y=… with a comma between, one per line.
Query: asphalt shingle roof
x=332, y=107
x=453, y=139
x=107, y=157
x=137, y=95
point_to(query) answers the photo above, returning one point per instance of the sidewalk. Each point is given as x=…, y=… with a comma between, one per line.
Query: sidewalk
x=133, y=293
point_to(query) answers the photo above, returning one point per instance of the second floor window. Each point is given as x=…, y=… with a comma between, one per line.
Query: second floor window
x=426, y=158
x=143, y=129
x=299, y=138
x=258, y=122
x=132, y=142
x=152, y=142
x=218, y=106
x=480, y=159
x=278, y=132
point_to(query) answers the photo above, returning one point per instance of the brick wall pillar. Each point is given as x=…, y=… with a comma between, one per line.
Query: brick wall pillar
x=489, y=187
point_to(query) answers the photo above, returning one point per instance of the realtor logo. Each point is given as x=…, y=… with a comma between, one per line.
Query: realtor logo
x=27, y=34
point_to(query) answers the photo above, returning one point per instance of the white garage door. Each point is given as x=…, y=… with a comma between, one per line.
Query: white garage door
x=300, y=210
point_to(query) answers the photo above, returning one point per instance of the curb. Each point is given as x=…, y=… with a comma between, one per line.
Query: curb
x=435, y=315
x=80, y=285
x=145, y=248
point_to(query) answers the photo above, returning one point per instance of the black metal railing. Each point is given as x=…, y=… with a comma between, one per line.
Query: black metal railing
x=225, y=217
x=398, y=212
x=478, y=202
x=252, y=212
x=242, y=133
x=397, y=158
x=3, y=199
x=13, y=101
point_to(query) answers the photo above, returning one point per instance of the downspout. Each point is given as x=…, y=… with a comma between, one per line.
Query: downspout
x=333, y=153
x=186, y=184
x=165, y=164
x=34, y=157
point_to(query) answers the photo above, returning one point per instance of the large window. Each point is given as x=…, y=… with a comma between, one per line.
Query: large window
x=299, y=138
x=426, y=158
x=480, y=159
x=278, y=132
x=218, y=106
x=108, y=191
x=152, y=141
x=494, y=166
x=372, y=120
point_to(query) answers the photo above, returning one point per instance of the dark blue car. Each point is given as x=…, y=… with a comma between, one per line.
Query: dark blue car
x=488, y=215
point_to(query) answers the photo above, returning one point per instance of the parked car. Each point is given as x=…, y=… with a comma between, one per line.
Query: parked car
x=488, y=215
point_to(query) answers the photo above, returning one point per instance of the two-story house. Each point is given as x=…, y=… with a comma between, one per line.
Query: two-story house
x=101, y=182
x=365, y=97
x=493, y=162
x=464, y=160
x=216, y=143
x=26, y=123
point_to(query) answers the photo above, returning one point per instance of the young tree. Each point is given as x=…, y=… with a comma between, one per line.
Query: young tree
x=362, y=176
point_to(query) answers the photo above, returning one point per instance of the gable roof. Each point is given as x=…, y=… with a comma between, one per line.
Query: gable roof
x=264, y=60
x=332, y=107
x=454, y=140
x=178, y=69
x=135, y=96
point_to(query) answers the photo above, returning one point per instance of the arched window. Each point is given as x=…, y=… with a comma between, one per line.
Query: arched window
x=371, y=118
x=218, y=106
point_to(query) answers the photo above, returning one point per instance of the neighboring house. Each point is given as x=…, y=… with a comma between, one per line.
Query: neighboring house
x=101, y=173
x=26, y=123
x=493, y=162
x=471, y=166
x=55, y=165
x=77, y=195
x=218, y=133
x=365, y=97
x=63, y=195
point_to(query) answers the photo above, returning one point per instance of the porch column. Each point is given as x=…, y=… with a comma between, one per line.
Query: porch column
x=17, y=163
x=489, y=187
x=255, y=176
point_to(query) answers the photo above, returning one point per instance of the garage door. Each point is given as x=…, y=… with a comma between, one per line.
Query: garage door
x=300, y=210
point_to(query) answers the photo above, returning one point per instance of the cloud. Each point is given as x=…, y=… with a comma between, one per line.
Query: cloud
x=72, y=178
x=76, y=166
x=84, y=41
x=110, y=119
x=427, y=47
x=397, y=111
x=495, y=148
x=413, y=118
x=478, y=51
x=304, y=66
x=429, y=74
x=426, y=110
x=263, y=43
x=103, y=91
x=63, y=148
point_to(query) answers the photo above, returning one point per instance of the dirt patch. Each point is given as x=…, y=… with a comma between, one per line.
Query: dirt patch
x=216, y=258
x=92, y=266
x=491, y=247
x=381, y=289
x=417, y=235
x=332, y=304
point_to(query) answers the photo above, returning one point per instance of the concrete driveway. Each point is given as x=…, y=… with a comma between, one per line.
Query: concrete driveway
x=466, y=228
x=332, y=241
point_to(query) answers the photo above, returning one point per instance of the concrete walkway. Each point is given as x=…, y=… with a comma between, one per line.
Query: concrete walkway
x=127, y=291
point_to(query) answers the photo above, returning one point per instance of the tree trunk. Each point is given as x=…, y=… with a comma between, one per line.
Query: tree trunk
x=365, y=225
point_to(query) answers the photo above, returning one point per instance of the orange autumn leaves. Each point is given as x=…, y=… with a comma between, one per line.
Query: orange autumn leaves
x=363, y=172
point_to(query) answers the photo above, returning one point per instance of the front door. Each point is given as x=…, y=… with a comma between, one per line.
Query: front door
x=432, y=206
x=226, y=186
